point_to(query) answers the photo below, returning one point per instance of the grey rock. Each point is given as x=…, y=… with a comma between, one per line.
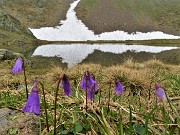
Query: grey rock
x=18, y=123
x=40, y=3
x=7, y=54
x=2, y=2
x=1, y=57
x=3, y=35
x=9, y=23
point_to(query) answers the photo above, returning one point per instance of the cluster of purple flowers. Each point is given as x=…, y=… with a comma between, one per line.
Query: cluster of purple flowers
x=88, y=83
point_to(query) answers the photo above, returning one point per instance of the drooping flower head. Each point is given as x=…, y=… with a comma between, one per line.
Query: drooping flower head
x=88, y=82
x=33, y=103
x=119, y=87
x=18, y=66
x=160, y=94
x=66, y=85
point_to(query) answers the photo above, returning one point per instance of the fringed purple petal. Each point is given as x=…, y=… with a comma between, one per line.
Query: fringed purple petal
x=160, y=94
x=90, y=95
x=66, y=85
x=83, y=82
x=95, y=85
x=119, y=88
x=157, y=86
x=33, y=103
x=18, y=66
x=67, y=89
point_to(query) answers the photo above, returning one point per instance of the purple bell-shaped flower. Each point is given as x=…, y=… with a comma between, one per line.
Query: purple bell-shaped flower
x=66, y=85
x=119, y=87
x=18, y=66
x=160, y=94
x=88, y=82
x=90, y=94
x=33, y=103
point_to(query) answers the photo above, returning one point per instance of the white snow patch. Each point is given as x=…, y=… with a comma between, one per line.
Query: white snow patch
x=73, y=29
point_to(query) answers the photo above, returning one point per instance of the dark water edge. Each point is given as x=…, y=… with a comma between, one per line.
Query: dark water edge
x=108, y=59
x=37, y=62
x=152, y=42
x=97, y=57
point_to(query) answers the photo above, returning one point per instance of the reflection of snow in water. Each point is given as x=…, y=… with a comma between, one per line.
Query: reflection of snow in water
x=73, y=29
x=73, y=54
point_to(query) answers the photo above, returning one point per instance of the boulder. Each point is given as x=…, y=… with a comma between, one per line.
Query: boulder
x=8, y=55
x=9, y=23
x=3, y=35
x=2, y=2
x=14, y=122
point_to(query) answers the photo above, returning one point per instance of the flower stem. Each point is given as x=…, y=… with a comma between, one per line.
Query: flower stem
x=86, y=90
x=45, y=107
x=150, y=90
x=55, y=102
x=109, y=97
x=25, y=80
x=99, y=96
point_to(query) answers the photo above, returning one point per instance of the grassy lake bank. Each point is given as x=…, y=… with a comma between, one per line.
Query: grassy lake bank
x=135, y=111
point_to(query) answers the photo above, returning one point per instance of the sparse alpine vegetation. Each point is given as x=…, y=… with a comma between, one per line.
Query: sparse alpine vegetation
x=134, y=111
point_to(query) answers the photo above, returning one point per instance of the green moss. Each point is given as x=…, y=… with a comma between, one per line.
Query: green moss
x=13, y=131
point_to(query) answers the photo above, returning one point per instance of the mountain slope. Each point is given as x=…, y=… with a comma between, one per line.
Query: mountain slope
x=130, y=15
x=13, y=32
x=37, y=13
x=17, y=16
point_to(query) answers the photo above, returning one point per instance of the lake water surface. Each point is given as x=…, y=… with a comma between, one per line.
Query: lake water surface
x=107, y=54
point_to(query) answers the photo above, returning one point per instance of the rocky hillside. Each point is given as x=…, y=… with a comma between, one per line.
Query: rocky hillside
x=130, y=15
x=9, y=23
x=12, y=31
x=36, y=13
x=17, y=16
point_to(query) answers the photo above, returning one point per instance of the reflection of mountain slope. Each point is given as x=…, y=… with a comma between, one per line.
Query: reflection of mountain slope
x=171, y=56
x=71, y=54
x=76, y=53
x=108, y=58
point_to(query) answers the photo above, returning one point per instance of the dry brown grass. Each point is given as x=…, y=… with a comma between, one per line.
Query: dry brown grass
x=134, y=76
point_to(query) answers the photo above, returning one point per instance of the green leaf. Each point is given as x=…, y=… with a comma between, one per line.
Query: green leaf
x=71, y=129
x=78, y=126
x=130, y=120
x=64, y=132
x=139, y=129
x=147, y=119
